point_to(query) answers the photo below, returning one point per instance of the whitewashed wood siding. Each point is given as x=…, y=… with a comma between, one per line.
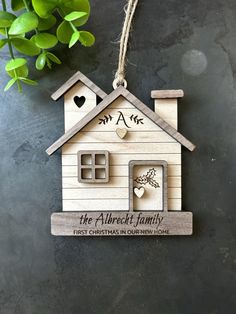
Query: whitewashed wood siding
x=143, y=142
x=72, y=113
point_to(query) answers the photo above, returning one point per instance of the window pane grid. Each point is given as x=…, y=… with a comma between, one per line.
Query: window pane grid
x=93, y=166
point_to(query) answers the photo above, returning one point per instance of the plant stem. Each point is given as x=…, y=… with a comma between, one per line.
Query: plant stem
x=19, y=87
x=9, y=44
x=28, y=10
x=73, y=26
x=4, y=7
x=26, y=5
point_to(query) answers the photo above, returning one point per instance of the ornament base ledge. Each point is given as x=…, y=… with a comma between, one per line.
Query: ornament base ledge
x=122, y=223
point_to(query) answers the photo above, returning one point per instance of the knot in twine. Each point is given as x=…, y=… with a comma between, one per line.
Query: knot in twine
x=120, y=73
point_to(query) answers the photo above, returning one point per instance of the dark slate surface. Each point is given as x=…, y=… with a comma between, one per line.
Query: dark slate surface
x=175, y=44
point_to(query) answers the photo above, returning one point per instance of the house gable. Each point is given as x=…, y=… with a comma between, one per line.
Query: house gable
x=120, y=91
x=121, y=115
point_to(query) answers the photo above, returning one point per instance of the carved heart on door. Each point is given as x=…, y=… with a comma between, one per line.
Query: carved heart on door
x=139, y=191
x=79, y=101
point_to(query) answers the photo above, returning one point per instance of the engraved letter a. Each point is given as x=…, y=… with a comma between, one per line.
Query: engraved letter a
x=122, y=118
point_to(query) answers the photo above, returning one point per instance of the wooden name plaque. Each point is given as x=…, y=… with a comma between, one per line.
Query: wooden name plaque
x=121, y=223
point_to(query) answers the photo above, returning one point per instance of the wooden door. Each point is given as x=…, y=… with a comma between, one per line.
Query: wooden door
x=148, y=185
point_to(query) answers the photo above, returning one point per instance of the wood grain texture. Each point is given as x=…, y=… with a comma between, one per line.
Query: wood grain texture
x=171, y=93
x=95, y=193
x=123, y=159
x=79, y=196
x=120, y=91
x=114, y=182
x=174, y=204
x=161, y=148
x=96, y=204
x=168, y=110
x=147, y=125
x=79, y=89
x=73, y=113
x=116, y=170
x=78, y=76
x=121, y=223
x=114, y=204
x=118, y=179
x=109, y=136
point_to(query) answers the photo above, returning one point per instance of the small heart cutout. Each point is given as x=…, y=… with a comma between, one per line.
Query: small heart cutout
x=139, y=191
x=79, y=101
x=121, y=133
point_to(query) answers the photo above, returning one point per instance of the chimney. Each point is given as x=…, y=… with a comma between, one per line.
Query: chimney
x=166, y=104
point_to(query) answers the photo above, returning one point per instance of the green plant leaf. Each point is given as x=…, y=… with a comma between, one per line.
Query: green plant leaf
x=75, y=15
x=17, y=36
x=28, y=81
x=19, y=86
x=25, y=46
x=44, y=8
x=17, y=5
x=64, y=32
x=3, y=42
x=14, y=64
x=45, y=40
x=49, y=63
x=45, y=24
x=6, y=19
x=22, y=71
x=86, y=38
x=41, y=61
x=76, y=5
x=74, y=39
x=10, y=83
x=26, y=22
x=41, y=17
x=53, y=58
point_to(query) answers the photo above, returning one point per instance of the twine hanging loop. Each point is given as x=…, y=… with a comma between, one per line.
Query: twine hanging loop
x=118, y=81
x=120, y=73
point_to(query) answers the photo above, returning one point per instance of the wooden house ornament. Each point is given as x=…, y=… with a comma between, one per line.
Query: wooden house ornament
x=121, y=163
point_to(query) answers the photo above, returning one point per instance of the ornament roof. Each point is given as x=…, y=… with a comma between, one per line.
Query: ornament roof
x=120, y=91
x=78, y=76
